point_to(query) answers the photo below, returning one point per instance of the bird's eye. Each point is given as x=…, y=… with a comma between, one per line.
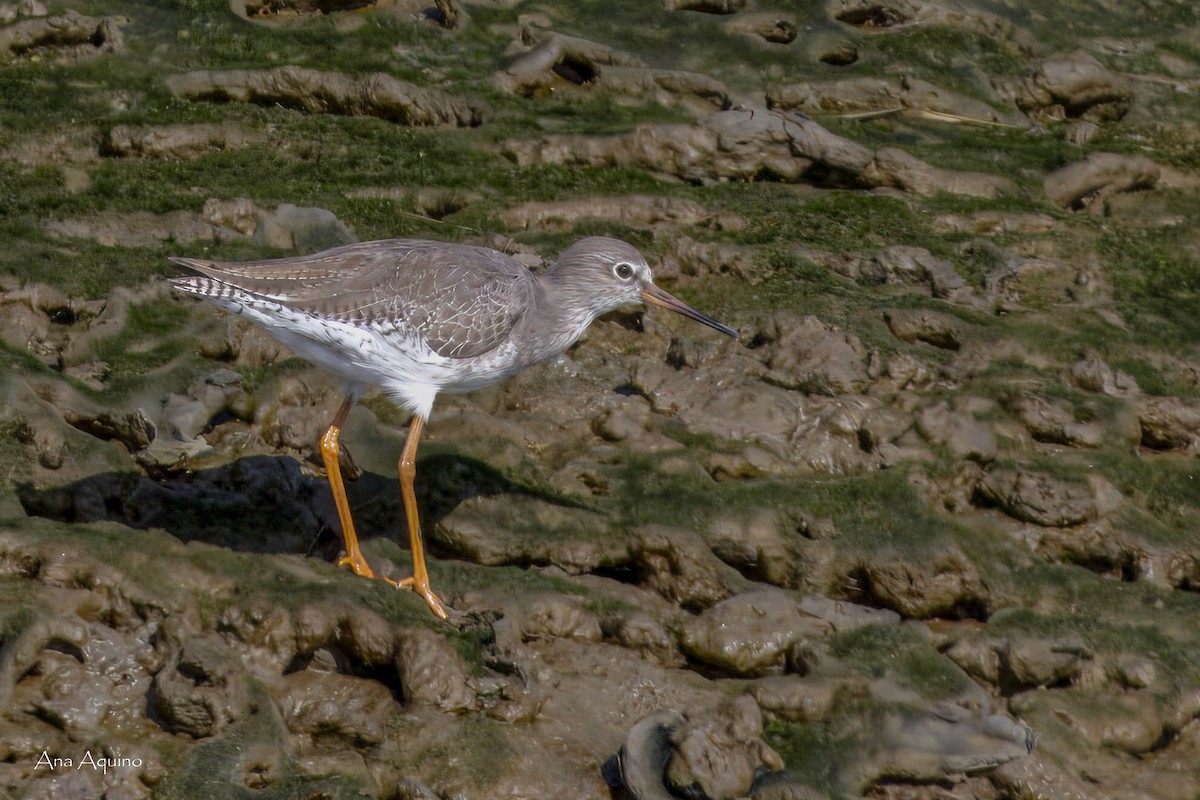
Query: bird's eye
x=623, y=271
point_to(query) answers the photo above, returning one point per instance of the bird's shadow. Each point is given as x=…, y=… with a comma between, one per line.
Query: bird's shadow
x=267, y=504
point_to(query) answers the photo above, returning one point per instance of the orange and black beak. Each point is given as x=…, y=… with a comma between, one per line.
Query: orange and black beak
x=656, y=296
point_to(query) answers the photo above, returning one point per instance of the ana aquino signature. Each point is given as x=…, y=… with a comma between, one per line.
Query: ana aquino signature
x=101, y=762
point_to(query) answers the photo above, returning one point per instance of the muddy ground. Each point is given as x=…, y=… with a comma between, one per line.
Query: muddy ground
x=929, y=528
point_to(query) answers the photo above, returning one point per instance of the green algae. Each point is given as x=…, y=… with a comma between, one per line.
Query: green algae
x=1156, y=280
x=222, y=765
x=819, y=752
x=1113, y=619
x=902, y=654
x=476, y=754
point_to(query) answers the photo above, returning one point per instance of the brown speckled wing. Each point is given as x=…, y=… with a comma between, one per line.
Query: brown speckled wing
x=462, y=300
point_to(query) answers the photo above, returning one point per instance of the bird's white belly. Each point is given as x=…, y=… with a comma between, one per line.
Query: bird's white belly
x=393, y=358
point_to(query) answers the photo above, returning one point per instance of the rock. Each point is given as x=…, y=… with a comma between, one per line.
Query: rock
x=40, y=320
x=412, y=789
x=239, y=214
x=26, y=8
x=186, y=417
x=110, y=319
x=1054, y=421
x=1169, y=423
x=68, y=38
x=782, y=143
x=871, y=16
x=1131, y=722
x=1039, y=498
x=806, y=699
x=174, y=141
x=335, y=710
x=815, y=357
x=546, y=617
x=546, y=61
x=904, y=264
x=549, y=46
x=858, y=95
x=1070, y=86
x=640, y=767
x=448, y=14
x=626, y=421
x=1135, y=672
x=949, y=585
x=718, y=753
x=830, y=48
x=785, y=785
x=757, y=546
x=678, y=565
x=663, y=85
x=750, y=461
x=903, y=371
x=991, y=223
x=833, y=436
x=1094, y=375
x=842, y=615
x=1015, y=278
x=1084, y=185
x=27, y=330
x=1029, y=663
x=202, y=689
x=432, y=672
x=749, y=634
x=894, y=168
x=1080, y=133
x=133, y=430
x=706, y=6
x=701, y=259
x=931, y=327
x=266, y=634
x=375, y=95
x=638, y=210
x=922, y=96
x=141, y=229
x=740, y=143
x=521, y=529
x=291, y=227
x=978, y=656
x=950, y=740
x=772, y=27
x=845, y=96
x=365, y=637
x=642, y=632
x=958, y=429
x=103, y=686
x=1100, y=549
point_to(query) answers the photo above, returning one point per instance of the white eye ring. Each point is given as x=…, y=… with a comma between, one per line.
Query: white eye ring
x=623, y=271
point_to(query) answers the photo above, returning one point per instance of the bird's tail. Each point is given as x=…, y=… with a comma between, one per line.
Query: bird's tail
x=201, y=281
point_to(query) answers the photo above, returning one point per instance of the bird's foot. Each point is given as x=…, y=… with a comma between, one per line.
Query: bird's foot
x=357, y=565
x=422, y=588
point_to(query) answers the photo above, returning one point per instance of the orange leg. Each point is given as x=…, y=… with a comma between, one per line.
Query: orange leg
x=419, y=582
x=329, y=454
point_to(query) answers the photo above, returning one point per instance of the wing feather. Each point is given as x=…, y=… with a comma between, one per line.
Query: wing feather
x=463, y=301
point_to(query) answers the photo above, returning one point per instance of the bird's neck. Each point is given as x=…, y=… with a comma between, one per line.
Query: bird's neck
x=565, y=310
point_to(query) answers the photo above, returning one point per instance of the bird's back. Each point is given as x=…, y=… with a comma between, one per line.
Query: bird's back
x=462, y=301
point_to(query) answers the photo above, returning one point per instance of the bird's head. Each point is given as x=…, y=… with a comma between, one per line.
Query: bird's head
x=606, y=274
